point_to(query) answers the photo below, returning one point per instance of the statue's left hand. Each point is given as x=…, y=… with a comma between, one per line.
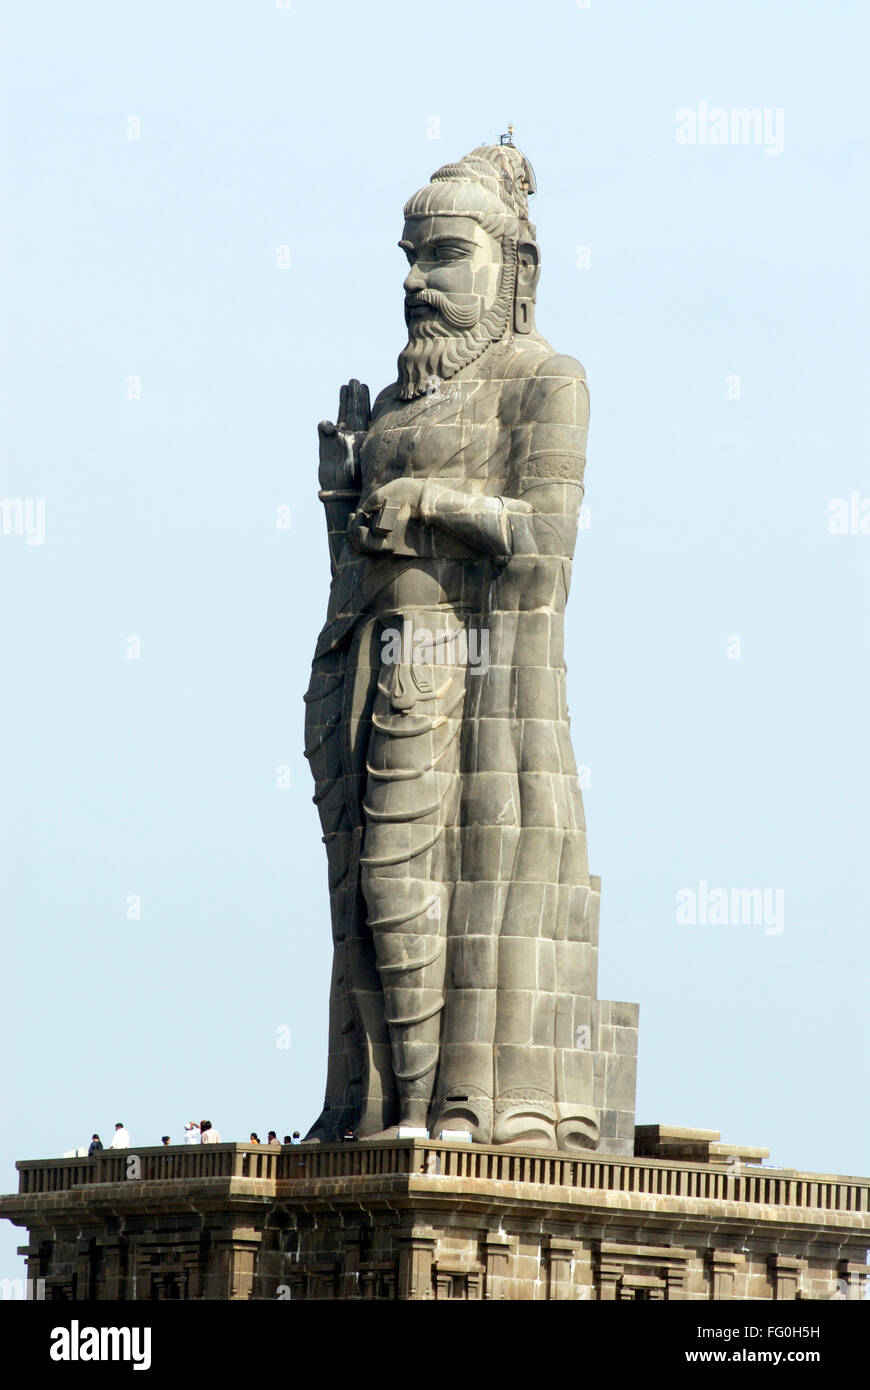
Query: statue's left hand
x=382, y=516
x=402, y=492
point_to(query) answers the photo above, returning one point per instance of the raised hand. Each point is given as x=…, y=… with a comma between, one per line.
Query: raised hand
x=340, y=443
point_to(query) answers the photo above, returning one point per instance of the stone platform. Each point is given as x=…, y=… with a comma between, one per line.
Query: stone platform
x=417, y=1219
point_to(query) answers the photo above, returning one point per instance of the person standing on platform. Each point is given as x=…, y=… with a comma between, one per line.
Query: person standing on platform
x=121, y=1138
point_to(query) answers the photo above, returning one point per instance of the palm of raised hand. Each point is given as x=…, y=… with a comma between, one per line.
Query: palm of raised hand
x=340, y=443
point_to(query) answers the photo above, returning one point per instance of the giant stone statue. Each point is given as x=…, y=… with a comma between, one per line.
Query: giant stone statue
x=464, y=919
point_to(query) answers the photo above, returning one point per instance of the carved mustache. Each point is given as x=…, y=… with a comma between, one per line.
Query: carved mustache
x=459, y=316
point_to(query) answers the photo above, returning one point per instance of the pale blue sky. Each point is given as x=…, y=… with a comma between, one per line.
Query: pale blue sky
x=308, y=127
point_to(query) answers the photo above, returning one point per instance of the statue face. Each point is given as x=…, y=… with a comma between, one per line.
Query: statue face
x=456, y=300
x=454, y=274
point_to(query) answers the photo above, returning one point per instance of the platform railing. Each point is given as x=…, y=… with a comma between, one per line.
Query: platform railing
x=304, y=1164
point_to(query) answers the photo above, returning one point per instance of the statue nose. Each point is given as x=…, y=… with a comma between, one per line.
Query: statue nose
x=414, y=280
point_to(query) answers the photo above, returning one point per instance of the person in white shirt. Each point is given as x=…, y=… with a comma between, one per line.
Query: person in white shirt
x=121, y=1138
x=208, y=1133
x=191, y=1132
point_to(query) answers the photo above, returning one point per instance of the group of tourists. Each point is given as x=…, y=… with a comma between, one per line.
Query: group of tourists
x=272, y=1140
x=120, y=1140
x=203, y=1132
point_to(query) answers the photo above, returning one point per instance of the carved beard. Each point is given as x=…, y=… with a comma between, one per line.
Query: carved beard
x=442, y=346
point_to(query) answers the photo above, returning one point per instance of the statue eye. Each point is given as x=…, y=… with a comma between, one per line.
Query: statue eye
x=450, y=253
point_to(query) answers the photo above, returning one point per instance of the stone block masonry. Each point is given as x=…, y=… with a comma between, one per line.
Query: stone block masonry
x=413, y=1219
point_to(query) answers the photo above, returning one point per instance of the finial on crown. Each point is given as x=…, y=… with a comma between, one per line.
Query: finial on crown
x=507, y=139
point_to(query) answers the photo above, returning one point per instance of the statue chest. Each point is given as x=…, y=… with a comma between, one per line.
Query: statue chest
x=456, y=436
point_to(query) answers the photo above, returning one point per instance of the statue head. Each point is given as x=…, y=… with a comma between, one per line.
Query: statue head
x=474, y=264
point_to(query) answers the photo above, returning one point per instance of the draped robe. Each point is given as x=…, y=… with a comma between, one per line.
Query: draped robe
x=497, y=830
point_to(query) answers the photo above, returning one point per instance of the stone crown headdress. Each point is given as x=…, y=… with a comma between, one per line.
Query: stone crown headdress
x=492, y=184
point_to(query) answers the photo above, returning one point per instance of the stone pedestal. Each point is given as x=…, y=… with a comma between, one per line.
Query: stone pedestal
x=416, y=1219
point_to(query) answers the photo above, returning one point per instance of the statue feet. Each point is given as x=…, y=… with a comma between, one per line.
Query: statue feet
x=391, y=1132
x=576, y=1128
x=413, y=1111
x=464, y=1110
x=524, y=1122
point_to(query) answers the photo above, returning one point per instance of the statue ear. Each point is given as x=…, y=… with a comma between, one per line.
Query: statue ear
x=528, y=270
x=528, y=266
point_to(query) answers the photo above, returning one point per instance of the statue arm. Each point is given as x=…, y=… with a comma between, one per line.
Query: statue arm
x=479, y=521
x=538, y=515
